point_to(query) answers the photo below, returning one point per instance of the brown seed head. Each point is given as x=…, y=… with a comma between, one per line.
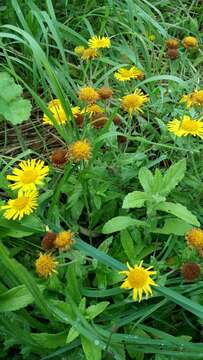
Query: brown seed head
x=58, y=157
x=190, y=271
x=98, y=120
x=117, y=120
x=48, y=240
x=172, y=53
x=105, y=93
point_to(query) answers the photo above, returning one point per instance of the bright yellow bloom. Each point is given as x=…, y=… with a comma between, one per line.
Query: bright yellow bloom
x=24, y=204
x=133, y=102
x=58, y=113
x=97, y=42
x=45, y=265
x=30, y=174
x=138, y=279
x=190, y=42
x=194, y=238
x=194, y=98
x=125, y=75
x=79, y=50
x=64, y=240
x=94, y=109
x=88, y=94
x=89, y=54
x=186, y=126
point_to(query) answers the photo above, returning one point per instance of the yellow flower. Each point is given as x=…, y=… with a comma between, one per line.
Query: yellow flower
x=186, y=126
x=88, y=94
x=64, y=240
x=45, y=265
x=138, y=279
x=194, y=238
x=89, y=54
x=188, y=99
x=80, y=150
x=125, y=75
x=190, y=42
x=57, y=110
x=151, y=37
x=79, y=50
x=24, y=204
x=172, y=44
x=94, y=109
x=133, y=102
x=29, y=174
x=197, y=97
x=97, y=42
x=194, y=98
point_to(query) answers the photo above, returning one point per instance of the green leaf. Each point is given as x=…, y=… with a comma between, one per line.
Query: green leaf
x=72, y=335
x=173, y=226
x=180, y=211
x=146, y=179
x=128, y=244
x=18, y=111
x=50, y=341
x=135, y=199
x=120, y=223
x=173, y=176
x=92, y=352
x=12, y=106
x=94, y=310
x=15, y=299
x=8, y=89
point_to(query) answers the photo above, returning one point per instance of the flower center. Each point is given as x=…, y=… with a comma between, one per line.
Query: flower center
x=21, y=202
x=29, y=176
x=137, y=278
x=189, y=125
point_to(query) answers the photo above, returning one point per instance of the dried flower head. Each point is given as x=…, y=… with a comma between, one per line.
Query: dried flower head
x=45, y=265
x=172, y=44
x=172, y=53
x=79, y=150
x=190, y=42
x=190, y=271
x=117, y=120
x=88, y=94
x=64, y=240
x=105, y=93
x=58, y=157
x=194, y=238
x=138, y=279
x=98, y=120
x=48, y=240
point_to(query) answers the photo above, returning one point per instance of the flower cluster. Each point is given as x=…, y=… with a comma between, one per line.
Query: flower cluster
x=46, y=263
x=26, y=178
